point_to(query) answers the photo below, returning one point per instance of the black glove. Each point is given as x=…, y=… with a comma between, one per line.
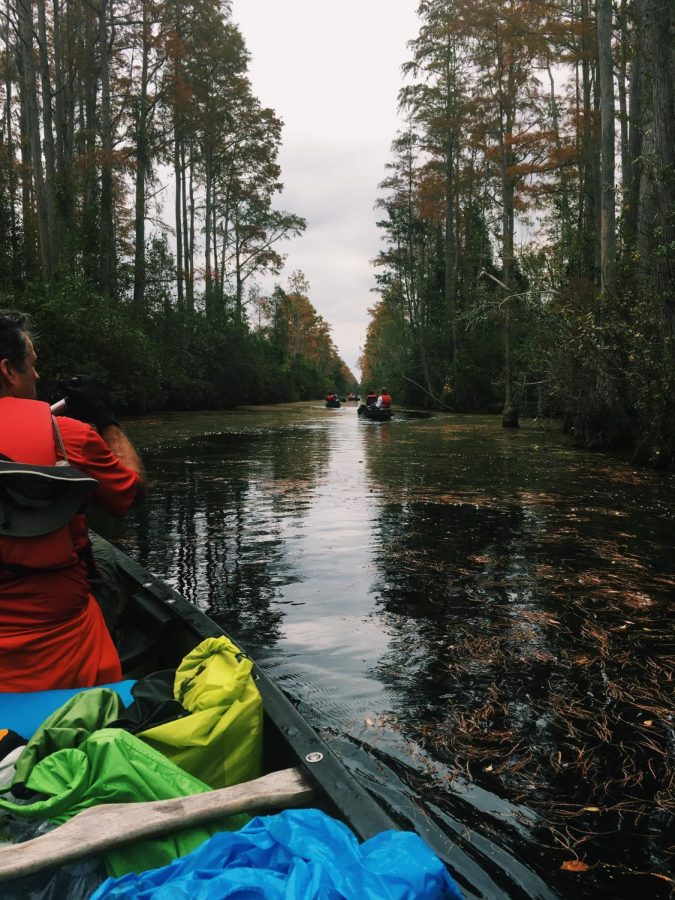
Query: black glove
x=88, y=400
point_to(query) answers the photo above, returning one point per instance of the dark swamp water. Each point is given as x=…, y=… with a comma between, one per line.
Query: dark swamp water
x=478, y=621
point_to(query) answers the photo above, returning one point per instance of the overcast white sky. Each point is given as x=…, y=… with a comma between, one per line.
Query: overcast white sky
x=331, y=71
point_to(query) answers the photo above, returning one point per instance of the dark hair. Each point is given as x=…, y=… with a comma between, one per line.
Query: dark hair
x=14, y=327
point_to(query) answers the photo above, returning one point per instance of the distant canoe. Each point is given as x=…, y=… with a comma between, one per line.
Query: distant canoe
x=374, y=414
x=333, y=404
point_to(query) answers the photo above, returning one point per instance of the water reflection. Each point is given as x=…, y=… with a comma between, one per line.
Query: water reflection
x=477, y=619
x=219, y=523
x=522, y=612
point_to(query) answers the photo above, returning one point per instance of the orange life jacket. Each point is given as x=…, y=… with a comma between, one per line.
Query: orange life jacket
x=386, y=401
x=27, y=436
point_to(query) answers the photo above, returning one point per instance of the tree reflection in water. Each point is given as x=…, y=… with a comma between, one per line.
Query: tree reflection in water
x=478, y=619
x=529, y=641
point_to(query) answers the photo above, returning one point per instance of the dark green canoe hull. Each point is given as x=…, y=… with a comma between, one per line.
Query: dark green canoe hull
x=159, y=627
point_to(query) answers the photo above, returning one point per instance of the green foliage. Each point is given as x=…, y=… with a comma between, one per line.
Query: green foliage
x=79, y=331
x=496, y=277
x=171, y=359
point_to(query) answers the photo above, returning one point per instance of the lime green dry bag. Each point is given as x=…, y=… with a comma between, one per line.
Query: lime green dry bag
x=220, y=742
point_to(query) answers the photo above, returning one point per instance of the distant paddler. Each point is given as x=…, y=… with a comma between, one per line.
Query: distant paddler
x=384, y=400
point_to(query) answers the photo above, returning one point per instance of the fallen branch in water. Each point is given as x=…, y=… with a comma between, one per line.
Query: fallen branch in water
x=428, y=393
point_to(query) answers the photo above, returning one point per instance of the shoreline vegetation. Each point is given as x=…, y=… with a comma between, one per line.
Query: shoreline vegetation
x=528, y=220
x=527, y=216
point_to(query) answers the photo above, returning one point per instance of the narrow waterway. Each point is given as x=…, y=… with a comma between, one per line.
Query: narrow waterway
x=478, y=620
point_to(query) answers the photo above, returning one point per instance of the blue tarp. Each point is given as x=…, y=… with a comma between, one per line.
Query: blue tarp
x=296, y=855
x=24, y=713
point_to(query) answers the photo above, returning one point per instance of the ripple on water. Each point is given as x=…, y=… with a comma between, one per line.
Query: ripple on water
x=480, y=621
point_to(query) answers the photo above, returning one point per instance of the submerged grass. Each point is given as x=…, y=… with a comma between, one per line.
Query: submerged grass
x=557, y=680
x=572, y=715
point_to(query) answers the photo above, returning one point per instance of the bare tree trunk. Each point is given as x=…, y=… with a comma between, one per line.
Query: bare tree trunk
x=622, y=23
x=107, y=228
x=450, y=261
x=53, y=231
x=191, y=190
x=178, y=216
x=607, y=218
x=88, y=92
x=214, y=238
x=187, y=251
x=26, y=61
x=635, y=133
x=589, y=206
x=64, y=114
x=506, y=157
x=225, y=231
x=658, y=32
x=9, y=144
x=141, y=169
x=207, y=239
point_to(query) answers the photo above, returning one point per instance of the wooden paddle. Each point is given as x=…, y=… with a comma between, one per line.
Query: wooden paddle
x=101, y=828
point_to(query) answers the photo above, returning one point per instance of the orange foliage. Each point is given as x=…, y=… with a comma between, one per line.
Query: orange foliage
x=431, y=196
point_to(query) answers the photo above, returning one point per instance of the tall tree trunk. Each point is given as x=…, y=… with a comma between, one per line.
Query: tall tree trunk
x=30, y=238
x=589, y=205
x=178, y=214
x=506, y=158
x=635, y=134
x=187, y=250
x=215, y=288
x=106, y=228
x=449, y=256
x=208, y=201
x=31, y=120
x=9, y=144
x=624, y=50
x=239, y=284
x=88, y=93
x=141, y=169
x=53, y=229
x=607, y=218
x=658, y=32
x=225, y=231
x=191, y=191
x=64, y=115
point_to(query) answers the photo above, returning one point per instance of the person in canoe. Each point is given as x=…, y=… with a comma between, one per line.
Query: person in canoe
x=52, y=630
x=384, y=401
x=331, y=397
x=371, y=398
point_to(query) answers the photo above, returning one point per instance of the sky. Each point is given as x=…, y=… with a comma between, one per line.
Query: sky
x=331, y=72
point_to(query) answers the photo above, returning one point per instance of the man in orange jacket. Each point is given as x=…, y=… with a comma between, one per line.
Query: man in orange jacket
x=384, y=400
x=52, y=630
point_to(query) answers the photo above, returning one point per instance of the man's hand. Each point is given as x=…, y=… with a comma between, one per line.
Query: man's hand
x=89, y=400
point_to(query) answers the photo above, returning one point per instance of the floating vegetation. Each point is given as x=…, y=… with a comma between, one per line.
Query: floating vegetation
x=557, y=684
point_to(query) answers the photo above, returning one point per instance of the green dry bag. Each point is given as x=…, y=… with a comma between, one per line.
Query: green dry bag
x=220, y=741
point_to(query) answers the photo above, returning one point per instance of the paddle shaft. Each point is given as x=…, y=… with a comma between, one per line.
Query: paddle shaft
x=102, y=828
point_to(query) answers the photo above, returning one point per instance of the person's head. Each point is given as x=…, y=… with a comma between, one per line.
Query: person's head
x=384, y=391
x=18, y=376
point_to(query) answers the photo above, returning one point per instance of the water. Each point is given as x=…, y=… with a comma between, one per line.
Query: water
x=476, y=619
